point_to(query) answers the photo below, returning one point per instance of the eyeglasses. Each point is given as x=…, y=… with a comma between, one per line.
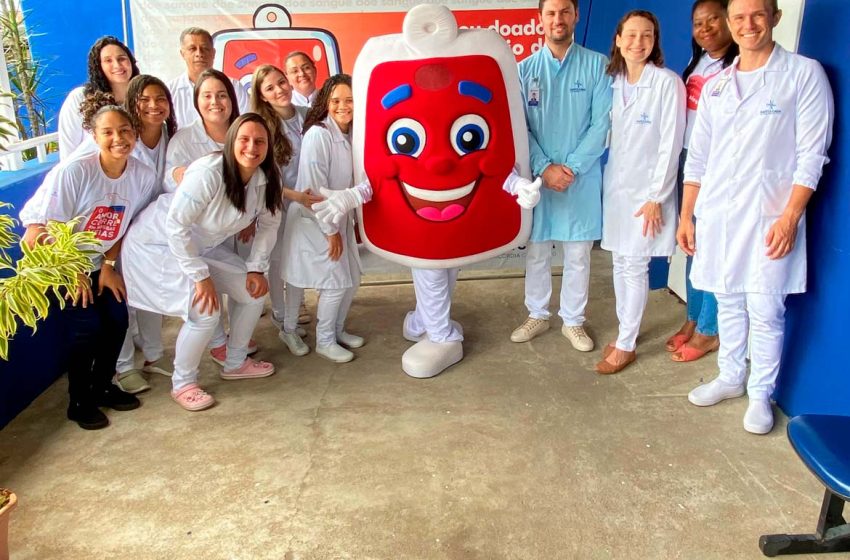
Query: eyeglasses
x=303, y=69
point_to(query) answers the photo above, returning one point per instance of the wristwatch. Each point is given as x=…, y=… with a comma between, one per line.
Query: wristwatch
x=109, y=262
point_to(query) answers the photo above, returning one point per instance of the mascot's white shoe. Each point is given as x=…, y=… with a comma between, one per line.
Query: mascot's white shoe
x=412, y=336
x=427, y=359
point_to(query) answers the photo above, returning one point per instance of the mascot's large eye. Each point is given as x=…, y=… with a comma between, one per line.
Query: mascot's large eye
x=406, y=137
x=469, y=133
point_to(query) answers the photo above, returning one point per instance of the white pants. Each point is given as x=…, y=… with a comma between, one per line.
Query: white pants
x=277, y=286
x=331, y=312
x=631, y=289
x=762, y=318
x=148, y=327
x=197, y=331
x=432, y=315
x=574, y=283
x=219, y=337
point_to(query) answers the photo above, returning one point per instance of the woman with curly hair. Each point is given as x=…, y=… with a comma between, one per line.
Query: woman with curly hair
x=107, y=188
x=316, y=254
x=111, y=66
x=149, y=103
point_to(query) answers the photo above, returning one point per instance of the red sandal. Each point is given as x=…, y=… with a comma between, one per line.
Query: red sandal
x=690, y=354
x=676, y=341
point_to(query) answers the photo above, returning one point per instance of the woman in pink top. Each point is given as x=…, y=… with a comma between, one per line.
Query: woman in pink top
x=713, y=50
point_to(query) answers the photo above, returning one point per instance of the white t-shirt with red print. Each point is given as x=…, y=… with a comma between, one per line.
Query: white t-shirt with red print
x=80, y=188
x=705, y=69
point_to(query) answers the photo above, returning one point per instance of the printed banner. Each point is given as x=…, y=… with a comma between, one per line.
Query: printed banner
x=247, y=34
x=329, y=27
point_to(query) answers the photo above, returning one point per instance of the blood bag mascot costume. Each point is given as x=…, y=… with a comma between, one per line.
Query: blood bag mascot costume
x=440, y=164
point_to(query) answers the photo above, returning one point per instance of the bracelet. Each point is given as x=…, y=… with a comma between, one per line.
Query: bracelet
x=109, y=262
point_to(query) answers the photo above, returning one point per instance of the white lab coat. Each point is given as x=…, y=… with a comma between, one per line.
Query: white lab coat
x=646, y=140
x=182, y=96
x=189, y=143
x=70, y=125
x=304, y=100
x=747, y=152
x=154, y=158
x=176, y=240
x=291, y=128
x=325, y=162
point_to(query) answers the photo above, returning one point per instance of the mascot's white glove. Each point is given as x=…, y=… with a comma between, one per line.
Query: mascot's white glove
x=528, y=192
x=337, y=205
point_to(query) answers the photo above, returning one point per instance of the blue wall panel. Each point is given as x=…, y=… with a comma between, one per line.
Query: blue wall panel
x=61, y=35
x=814, y=377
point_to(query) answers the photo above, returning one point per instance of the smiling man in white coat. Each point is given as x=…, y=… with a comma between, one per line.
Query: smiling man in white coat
x=756, y=155
x=197, y=51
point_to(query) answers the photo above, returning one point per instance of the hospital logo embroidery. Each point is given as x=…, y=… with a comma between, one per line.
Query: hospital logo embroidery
x=772, y=109
x=577, y=87
x=105, y=222
x=644, y=119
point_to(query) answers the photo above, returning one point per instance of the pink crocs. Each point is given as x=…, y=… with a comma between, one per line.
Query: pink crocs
x=249, y=369
x=219, y=353
x=193, y=398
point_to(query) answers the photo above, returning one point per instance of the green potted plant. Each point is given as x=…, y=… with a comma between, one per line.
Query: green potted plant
x=55, y=266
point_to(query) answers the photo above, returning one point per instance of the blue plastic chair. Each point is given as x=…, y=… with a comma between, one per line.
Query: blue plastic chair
x=823, y=444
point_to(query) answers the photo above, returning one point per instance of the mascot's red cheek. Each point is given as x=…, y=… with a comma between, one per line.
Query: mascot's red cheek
x=439, y=146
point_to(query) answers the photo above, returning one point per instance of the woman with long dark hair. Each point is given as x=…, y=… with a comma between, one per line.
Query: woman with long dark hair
x=713, y=50
x=639, y=183
x=111, y=66
x=149, y=103
x=182, y=268
x=215, y=100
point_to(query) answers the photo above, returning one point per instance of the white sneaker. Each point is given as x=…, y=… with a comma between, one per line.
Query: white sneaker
x=350, y=340
x=759, y=416
x=715, y=391
x=578, y=337
x=529, y=329
x=294, y=343
x=335, y=353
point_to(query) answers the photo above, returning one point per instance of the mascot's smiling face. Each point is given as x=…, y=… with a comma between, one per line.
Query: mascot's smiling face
x=439, y=147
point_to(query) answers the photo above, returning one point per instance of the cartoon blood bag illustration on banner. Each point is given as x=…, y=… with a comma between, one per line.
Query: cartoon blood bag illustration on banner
x=240, y=51
x=441, y=161
x=439, y=126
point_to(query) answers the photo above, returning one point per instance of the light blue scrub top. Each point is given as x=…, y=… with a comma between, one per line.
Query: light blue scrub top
x=568, y=124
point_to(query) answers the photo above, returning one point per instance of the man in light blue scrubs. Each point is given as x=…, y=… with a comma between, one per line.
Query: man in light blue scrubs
x=567, y=98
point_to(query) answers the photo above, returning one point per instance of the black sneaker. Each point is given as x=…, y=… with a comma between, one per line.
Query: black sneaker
x=87, y=416
x=116, y=399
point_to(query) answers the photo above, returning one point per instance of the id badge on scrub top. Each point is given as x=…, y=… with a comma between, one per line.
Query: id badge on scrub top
x=533, y=94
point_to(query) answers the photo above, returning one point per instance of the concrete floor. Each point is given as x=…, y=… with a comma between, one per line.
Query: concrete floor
x=519, y=451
